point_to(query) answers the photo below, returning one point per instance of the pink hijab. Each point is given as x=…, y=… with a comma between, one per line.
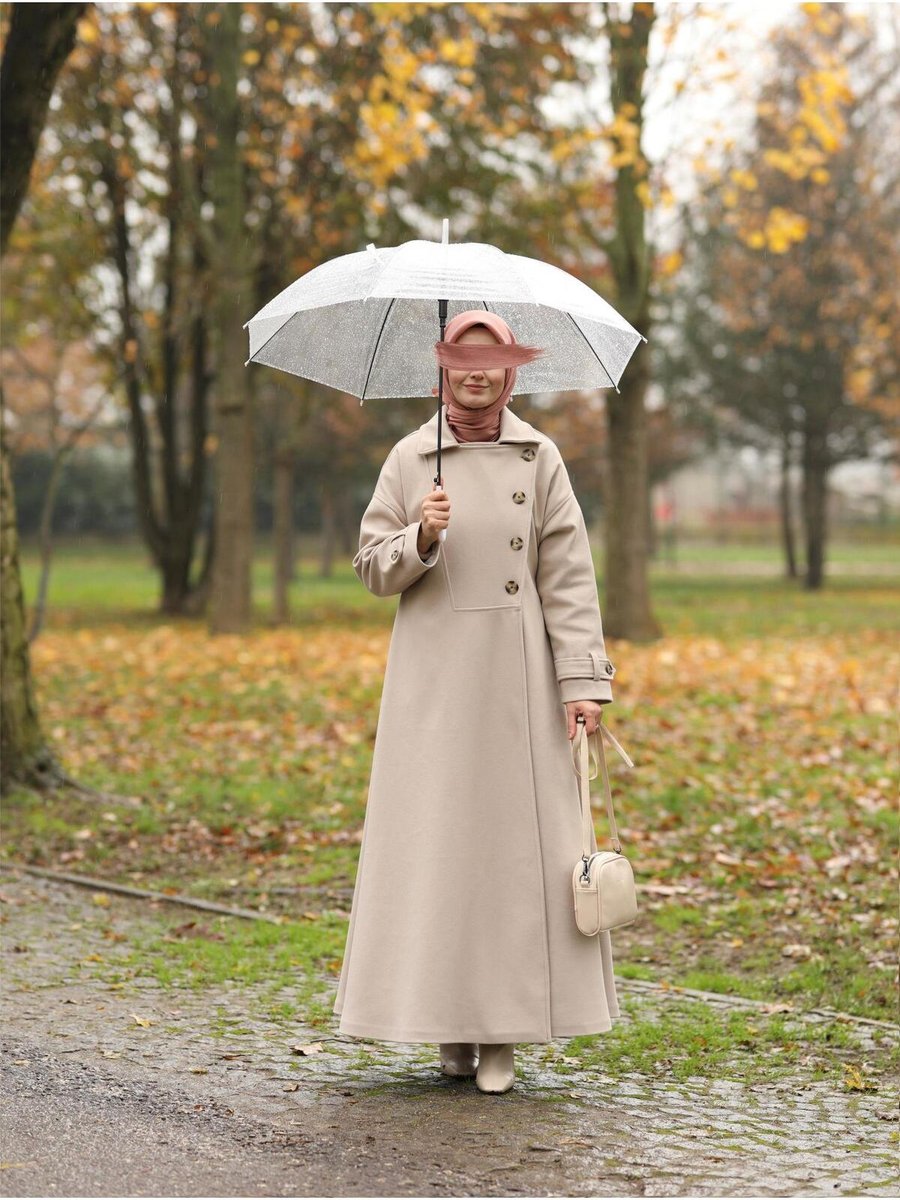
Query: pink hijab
x=479, y=424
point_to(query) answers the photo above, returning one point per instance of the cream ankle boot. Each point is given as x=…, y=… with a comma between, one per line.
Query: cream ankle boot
x=459, y=1059
x=496, y=1067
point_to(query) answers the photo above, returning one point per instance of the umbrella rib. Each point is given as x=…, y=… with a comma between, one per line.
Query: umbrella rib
x=594, y=352
x=260, y=349
x=387, y=313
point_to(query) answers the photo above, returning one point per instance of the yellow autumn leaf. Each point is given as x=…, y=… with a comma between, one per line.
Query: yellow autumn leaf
x=856, y=1081
x=642, y=191
x=670, y=263
x=744, y=179
x=87, y=30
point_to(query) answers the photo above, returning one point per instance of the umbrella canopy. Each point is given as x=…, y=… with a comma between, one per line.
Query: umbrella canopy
x=366, y=323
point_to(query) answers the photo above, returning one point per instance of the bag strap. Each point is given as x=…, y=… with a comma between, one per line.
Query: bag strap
x=580, y=747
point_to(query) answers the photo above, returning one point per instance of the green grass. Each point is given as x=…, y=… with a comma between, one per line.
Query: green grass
x=298, y=954
x=94, y=583
x=730, y=607
x=690, y=1038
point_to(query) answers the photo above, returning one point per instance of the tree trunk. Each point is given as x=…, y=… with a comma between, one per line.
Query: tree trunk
x=230, y=601
x=182, y=435
x=815, y=505
x=24, y=756
x=168, y=505
x=283, y=531
x=39, y=39
x=38, y=42
x=626, y=609
x=788, y=540
x=46, y=543
x=198, y=597
x=176, y=566
x=231, y=595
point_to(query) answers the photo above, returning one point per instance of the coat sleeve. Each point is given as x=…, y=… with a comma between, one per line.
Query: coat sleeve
x=567, y=587
x=388, y=561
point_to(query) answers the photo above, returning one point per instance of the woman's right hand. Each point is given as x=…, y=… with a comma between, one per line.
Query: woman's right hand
x=435, y=516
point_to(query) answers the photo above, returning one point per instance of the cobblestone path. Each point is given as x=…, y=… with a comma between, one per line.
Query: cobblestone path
x=143, y=1090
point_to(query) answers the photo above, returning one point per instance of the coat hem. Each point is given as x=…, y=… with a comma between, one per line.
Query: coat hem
x=381, y=1034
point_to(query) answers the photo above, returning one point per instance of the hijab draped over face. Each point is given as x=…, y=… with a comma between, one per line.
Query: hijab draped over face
x=479, y=424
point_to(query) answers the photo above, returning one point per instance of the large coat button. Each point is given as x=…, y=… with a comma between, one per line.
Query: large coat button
x=519, y=497
x=512, y=587
x=609, y=669
x=395, y=554
x=516, y=543
x=528, y=454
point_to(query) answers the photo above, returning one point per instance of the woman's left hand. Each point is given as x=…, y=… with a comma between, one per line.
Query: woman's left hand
x=592, y=711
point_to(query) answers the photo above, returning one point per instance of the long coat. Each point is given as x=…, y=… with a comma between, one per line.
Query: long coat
x=462, y=926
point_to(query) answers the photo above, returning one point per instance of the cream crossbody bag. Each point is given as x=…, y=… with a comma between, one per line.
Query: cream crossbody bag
x=602, y=881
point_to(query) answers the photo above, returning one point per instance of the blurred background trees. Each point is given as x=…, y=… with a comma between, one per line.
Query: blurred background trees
x=790, y=323
x=721, y=184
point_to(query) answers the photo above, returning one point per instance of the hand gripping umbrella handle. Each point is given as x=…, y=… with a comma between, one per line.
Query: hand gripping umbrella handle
x=442, y=533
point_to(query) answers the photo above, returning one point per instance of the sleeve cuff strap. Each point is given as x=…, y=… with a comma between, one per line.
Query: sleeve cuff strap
x=587, y=666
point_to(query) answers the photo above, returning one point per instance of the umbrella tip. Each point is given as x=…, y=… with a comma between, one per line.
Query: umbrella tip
x=445, y=231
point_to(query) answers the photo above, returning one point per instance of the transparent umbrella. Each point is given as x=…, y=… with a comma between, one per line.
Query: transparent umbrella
x=366, y=323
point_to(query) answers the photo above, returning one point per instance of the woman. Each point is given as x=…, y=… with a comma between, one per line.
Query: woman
x=462, y=930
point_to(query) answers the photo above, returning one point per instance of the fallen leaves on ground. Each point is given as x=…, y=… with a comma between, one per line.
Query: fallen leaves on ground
x=763, y=769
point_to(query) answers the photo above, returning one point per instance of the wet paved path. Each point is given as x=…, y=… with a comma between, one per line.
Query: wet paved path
x=94, y=1103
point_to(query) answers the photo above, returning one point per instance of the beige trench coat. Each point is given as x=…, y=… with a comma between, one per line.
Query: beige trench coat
x=462, y=926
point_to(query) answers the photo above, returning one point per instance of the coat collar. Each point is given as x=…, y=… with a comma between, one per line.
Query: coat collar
x=512, y=429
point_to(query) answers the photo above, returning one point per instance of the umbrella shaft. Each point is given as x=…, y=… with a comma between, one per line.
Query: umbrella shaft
x=442, y=317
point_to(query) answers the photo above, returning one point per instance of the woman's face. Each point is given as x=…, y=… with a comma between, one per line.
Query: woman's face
x=477, y=388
